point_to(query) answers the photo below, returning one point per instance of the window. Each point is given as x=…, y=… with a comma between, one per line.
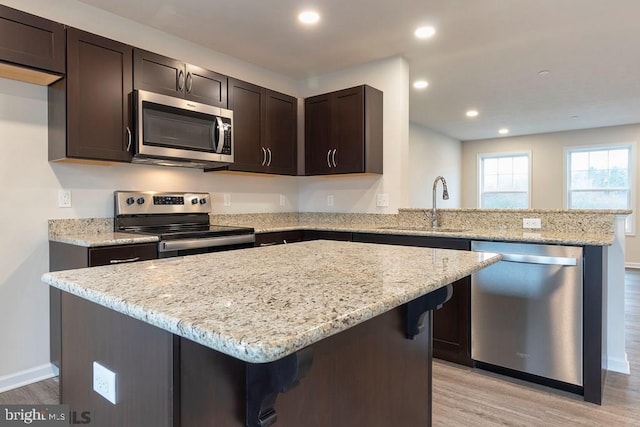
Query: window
x=504, y=180
x=600, y=178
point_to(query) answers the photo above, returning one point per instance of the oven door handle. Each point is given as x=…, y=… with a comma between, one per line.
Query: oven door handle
x=182, y=244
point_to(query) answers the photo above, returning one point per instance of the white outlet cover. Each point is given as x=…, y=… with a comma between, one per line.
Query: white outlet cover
x=64, y=198
x=382, y=199
x=330, y=200
x=104, y=382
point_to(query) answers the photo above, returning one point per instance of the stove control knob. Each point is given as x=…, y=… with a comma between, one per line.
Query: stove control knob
x=130, y=200
x=194, y=201
x=203, y=201
x=140, y=200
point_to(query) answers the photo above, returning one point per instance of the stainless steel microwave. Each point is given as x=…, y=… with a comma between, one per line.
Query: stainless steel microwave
x=177, y=132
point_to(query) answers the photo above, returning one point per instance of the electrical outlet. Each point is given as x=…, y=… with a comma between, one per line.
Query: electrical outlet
x=531, y=223
x=382, y=199
x=104, y=382
x=283, y=200
x=330, y=200
x=64, y=198
x=227, y=199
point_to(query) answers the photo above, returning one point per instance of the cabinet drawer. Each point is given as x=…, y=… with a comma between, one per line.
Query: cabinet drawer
x=278, y=237
x=122, y=254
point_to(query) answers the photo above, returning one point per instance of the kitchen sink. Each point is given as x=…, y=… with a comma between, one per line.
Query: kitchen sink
x=436, y=229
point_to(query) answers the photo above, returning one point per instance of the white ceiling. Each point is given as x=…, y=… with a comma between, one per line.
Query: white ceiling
x=486, y=54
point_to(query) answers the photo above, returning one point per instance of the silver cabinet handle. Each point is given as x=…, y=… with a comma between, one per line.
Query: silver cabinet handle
x=269, y=161
x=189, y=82
x=328, y=155
x=180, y=81
x=122, y=261
x=264, y=156
x=334, y=158
x=129, y=137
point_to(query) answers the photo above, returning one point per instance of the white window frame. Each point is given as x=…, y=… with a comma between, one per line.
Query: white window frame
x=480, y=178
x=630, y=225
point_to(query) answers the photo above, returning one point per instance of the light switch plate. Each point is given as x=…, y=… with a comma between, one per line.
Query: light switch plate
x=330, y=200
x=227, y=199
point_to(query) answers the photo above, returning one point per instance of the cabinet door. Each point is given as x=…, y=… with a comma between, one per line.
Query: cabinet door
x=31, y=41
x=206, y=86
x=317, y=151
x=246, y=100
x=98, y=89
x=280, y=133
x=157, y=73
x=347, y=129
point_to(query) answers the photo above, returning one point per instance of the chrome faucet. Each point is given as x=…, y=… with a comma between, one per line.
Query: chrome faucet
x=445, y=196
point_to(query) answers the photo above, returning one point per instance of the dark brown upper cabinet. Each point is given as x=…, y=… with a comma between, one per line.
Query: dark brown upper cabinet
x=265, y=129
x=343, y=132
x=31, y=48
x=89, y=110
x=157, y=73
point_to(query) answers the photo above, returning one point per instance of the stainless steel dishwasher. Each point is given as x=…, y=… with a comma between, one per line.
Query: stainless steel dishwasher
x=526, y=311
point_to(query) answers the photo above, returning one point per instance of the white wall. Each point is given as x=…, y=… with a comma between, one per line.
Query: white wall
x=432, y=154
x=547, y=167
x=357, y=193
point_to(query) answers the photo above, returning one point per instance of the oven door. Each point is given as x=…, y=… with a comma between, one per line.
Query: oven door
x=176, y=129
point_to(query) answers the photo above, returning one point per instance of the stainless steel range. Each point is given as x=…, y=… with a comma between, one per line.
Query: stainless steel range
x=180, y=220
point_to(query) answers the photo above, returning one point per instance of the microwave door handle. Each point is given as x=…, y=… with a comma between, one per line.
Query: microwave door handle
x=219, y=141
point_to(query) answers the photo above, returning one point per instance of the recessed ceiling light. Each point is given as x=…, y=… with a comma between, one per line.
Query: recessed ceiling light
x=420, y=84
x=424, y=32
x=472, y=113
x=544, y=73
x=309, y=17
x=503, y=131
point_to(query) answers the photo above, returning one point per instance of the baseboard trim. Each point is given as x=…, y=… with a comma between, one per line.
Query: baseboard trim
x=619, y=365
x=633, y=265
x=28, y=376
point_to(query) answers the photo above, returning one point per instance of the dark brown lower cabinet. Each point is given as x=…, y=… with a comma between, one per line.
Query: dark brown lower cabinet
x=368, y=375
x=452, y=322
x=63, y=256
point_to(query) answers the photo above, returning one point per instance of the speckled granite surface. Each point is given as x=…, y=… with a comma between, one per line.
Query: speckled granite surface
x=584, y=227
x=92, y=232
x=589, y=227
x=253, y=305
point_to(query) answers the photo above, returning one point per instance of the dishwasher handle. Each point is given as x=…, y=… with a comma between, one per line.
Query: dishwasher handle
x=540, y=259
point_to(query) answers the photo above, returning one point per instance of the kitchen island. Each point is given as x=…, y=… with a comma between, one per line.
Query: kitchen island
x=330, y=329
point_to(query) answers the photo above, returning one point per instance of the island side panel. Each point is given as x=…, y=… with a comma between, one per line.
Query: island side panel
x=142, y=356
x=369, y=375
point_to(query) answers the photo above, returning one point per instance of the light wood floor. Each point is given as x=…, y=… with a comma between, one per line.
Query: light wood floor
x=469, y=397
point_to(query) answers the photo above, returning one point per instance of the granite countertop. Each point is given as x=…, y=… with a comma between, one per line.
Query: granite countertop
x=262, y=304
x=95, y=239
x=531, y=236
